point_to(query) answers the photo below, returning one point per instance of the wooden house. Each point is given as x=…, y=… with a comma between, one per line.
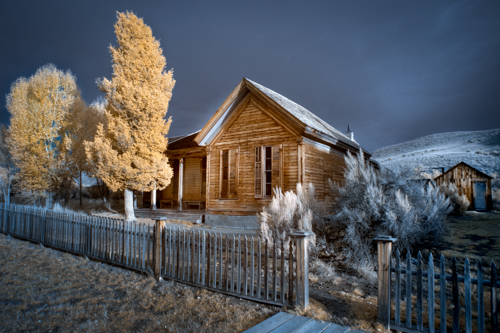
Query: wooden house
x=256, y=141
x=475, y=184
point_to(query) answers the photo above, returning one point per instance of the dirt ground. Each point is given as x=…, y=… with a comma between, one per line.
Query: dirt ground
x=45, y=290
x=475, y=235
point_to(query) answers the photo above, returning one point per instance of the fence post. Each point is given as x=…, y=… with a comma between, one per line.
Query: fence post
x=384, y=251
x=302, y=292
x=158, y=232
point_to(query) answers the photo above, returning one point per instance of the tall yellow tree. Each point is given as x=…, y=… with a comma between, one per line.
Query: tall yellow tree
x=38, y=107
x=81, y=126
x=129, y=152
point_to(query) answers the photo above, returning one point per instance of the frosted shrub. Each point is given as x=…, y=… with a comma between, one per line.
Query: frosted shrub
x=460, y=202
x=371, y=203
x=289, y=212
x=495, y=191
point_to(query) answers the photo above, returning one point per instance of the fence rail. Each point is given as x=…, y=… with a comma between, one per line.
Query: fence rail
x=245, y=267
x=412, y=299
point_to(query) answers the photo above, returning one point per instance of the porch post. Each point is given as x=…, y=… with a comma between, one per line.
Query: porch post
x=384, y=252
x=181, y=182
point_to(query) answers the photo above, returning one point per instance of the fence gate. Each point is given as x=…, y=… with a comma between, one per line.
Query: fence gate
x=417, y=295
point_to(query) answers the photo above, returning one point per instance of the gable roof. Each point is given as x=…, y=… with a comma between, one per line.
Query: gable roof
x=311, y=124
x=467, y=165
x=304, y=115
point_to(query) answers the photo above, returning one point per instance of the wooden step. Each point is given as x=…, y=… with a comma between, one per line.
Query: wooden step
x=285, y=322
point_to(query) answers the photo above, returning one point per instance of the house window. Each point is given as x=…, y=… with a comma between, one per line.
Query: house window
x=228, y=174
x=267, y=170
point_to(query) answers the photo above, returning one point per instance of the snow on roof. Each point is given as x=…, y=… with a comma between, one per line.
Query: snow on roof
x=304, y=115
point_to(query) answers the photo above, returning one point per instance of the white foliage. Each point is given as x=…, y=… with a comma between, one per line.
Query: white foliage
x=289, y=212
x=495, y=191
x=370, y=203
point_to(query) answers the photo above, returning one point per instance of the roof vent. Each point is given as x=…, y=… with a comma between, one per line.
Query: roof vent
x=349, y=133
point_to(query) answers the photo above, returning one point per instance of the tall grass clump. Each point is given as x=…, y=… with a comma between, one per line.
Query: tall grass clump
x=292, y=211
x=372, y=202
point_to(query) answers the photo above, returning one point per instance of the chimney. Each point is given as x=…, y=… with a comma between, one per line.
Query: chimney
x=349, y=133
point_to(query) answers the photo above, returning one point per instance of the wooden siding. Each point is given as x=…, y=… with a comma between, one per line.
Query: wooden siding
x=252, y=128
x=320, y=164
x=464, y=177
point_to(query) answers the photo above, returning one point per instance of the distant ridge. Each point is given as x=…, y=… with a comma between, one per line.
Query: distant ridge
x=480, y=149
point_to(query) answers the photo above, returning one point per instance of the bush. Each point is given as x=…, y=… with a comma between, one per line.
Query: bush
x=495, y=191
x=370, y=203
x=289, y=212
x=460, y=202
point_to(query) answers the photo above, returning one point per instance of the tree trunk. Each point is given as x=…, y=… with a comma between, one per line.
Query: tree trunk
x=153, y=199
x=81, y=187
x=9, y=190
x=129, y=205
x=48, y=200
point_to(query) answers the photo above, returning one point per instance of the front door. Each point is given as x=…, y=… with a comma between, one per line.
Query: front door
x=480, y=196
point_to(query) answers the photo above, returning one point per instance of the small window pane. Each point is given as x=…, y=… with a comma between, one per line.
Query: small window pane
x=268, y=152
x=268, y=189
x=268, y=177
x=268, y=164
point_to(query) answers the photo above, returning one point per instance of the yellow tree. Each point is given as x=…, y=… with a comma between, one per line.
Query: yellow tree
x=38, y=108
x=8, y=169
x=81, y=127
x=128, y=153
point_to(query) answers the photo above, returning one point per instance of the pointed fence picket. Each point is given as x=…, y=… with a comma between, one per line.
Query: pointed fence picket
x=406, y=288
x=249, y=268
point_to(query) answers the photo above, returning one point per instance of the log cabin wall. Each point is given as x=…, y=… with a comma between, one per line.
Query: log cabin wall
x=322, y=163
x=253, y=128
x=464, y=177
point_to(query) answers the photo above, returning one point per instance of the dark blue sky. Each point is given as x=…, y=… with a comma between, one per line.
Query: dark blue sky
x=394, y=70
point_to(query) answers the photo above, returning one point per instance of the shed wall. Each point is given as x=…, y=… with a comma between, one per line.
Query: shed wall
x=464, y=177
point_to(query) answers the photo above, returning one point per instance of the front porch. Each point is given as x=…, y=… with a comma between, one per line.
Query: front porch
x=193, y=215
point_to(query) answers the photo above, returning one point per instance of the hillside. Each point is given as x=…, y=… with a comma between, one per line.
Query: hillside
x=480, y=149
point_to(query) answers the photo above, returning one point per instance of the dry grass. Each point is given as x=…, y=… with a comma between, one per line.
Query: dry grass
x=52, y=291
x=474, y=235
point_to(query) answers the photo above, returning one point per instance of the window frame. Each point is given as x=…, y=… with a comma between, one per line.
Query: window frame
x=263, y=193
x=235, y=158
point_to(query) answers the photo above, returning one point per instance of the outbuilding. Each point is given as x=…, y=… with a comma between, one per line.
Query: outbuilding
x=475, y=184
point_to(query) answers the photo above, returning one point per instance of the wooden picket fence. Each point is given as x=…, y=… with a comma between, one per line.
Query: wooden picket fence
x=416, y=291
x=240, y=266
x=109, y=240
x=233, y=265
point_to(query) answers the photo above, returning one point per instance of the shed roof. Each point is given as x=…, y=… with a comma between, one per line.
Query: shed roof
x=183, y=141
x=467, y=165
